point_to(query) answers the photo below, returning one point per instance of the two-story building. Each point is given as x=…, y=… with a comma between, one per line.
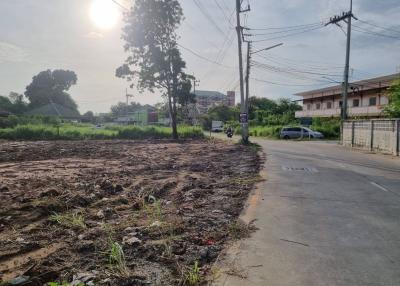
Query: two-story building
x=366, y=98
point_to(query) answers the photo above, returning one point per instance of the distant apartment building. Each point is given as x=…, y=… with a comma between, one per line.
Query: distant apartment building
x=366, y=98
x=206, y=99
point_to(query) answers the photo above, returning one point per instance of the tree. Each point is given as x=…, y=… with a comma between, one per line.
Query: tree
x=14, y=103
x=121, y=109
x=264, y=111
x=5, y=103
x=266, y=105
x=154, y=60
x=393, y=108
x=50, y=87
x=19, y=103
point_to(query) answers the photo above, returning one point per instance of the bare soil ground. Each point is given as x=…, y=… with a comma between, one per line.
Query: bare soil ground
x=68, y=207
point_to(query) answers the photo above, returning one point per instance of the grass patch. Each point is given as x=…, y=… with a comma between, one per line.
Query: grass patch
x=248, y=181
x=89, y=132
x=62, y=284
x=193, y=276
x=153, y=211
x=116, y=257
x=75, y=220
x=239, y=229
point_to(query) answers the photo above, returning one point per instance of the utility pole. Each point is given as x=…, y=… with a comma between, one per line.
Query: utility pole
x=195, y=83
x=127, y=100
x=248, y=75
x=243, y=115
x=346, y=17
x=249, y=53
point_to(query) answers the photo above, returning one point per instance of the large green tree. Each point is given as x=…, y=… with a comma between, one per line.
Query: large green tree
x=51, y=87
x=393, y=108
x=154, y=60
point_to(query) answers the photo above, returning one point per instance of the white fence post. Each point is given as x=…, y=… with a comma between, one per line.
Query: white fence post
x=396, y=146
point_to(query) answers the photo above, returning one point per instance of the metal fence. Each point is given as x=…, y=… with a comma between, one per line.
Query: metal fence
x=380, y=135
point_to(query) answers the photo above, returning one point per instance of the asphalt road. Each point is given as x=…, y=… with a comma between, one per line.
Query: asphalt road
x=326, y=216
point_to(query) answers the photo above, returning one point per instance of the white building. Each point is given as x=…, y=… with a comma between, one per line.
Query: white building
x=366, y=98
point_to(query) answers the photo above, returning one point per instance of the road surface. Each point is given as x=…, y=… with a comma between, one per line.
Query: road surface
x=326, y=216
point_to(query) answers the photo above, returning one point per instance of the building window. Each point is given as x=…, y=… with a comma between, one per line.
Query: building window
x=318, y=106
x=340, y=103
x=308, y=106
x=356, y=102
x=372, y=101
x=328, y=105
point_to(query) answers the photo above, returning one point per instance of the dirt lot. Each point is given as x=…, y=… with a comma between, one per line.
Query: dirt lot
x=119, y=212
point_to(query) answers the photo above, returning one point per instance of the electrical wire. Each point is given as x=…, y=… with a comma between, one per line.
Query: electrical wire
x=308, y=67
x=378, y=26
x=204, y=58
x=287, y=27
x=289, y=35
x=262, y=65
x=284, y=84
x=205, y=13
x=223, y=12
x=366, y=31
x=284, y=31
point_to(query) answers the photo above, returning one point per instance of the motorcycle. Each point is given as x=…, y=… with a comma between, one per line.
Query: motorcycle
x=229, y=133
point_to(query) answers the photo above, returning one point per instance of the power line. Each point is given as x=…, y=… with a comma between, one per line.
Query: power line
x=291, y=69
x=285, y=31
x=223, y=12
x=285, y=84
x=378, y=26
x=309, y=67
x=120, y=5
x=289, y=35
x=287, y=27
x=204, y=11
x=204, y=58
x=365, y=31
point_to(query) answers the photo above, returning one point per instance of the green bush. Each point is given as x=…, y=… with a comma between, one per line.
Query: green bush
x=329, y=127
x=265, y=131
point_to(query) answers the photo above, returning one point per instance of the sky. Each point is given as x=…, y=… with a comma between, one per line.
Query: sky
x=36, y=35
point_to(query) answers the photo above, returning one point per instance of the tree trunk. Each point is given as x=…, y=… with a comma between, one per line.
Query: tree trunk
x=172, y=113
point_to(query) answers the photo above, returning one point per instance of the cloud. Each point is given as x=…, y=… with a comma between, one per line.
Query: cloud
x=12, y=53
x=94, y=35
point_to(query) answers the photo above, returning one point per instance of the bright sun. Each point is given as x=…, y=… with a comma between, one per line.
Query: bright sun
x=104, y=14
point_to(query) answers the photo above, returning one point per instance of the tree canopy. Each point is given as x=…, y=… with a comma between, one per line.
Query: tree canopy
x=52, y=86
x=393, y=108
x=154, y=60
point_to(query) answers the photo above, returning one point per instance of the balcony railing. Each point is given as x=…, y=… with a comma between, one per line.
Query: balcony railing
x=353, y=111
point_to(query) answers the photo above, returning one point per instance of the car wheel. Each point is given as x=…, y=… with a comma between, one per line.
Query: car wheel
x=312, y=136
x=286, y=137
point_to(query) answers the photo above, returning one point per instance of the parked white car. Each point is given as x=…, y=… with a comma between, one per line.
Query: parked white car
x=299, y=132
x=217, y=126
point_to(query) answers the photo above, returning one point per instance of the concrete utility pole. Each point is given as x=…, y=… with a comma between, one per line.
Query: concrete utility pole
x=249, y=53
x=248, y=75
x=346, y=17
x=243, y=115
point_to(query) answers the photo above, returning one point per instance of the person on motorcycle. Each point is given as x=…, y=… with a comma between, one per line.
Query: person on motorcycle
x=229, y=132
